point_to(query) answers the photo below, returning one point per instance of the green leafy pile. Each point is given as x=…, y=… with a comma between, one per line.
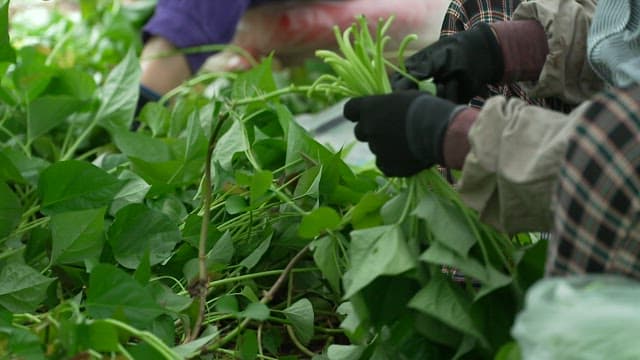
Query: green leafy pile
x=221, y=229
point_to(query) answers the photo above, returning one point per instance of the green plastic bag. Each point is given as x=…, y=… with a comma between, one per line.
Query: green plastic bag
x=590, y=317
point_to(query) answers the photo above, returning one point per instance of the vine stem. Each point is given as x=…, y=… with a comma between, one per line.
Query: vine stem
x=146, y=336
x=200, y=288
x=292, y=334
x=266, y=298
x=239, y=278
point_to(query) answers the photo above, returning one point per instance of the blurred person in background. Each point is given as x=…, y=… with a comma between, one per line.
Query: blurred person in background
x=293, y=29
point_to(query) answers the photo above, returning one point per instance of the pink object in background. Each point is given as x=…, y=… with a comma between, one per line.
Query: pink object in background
x=294, y=30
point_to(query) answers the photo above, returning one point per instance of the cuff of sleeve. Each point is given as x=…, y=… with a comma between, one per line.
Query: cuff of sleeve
x=524, y=49
x=455, y=144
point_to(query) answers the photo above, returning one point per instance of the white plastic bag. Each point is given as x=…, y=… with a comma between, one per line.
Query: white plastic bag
x=586, y=318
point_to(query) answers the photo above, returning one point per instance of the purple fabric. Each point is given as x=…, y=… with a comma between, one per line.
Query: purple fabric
x=187, y=23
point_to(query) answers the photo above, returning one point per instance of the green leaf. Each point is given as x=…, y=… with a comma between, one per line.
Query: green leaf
x=367, y=212
x=157, y=117
x=255, y=81
x=47, y=112
x=132, y=192
x=77, y=236
x=76, y=185
x=248, y=345
x=318, y=221
x=300, y=142
x=270, y=153
x=169, y=300
x=142, y=146
x=354, y=327
x=375, y=252
x=196, y=143
x=256, y=311
x=325, y=255
x=103, y=336
x=73, y=82
x=222, y=251
x=20, y=344
x=309, y=183
x=8, y=171
x=32, y=75
x=509, y=351
x=10, y=210
x=446, y=302
x=345, y=352
x=301, y=316
x=22, y=288
x=119, y=95
x=231, y=142
x=260, y=184
x=30, y=168
x=252, y=260
x=489, y=276
x=447, y=223
x=6, y=51
x=235, y=204
x=143, y=271
x=192, y=349
x=227, y=304
x=138, y=230
x=112, y=293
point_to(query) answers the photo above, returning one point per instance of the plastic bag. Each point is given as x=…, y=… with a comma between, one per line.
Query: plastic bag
x=295, y=29
x=591, y=317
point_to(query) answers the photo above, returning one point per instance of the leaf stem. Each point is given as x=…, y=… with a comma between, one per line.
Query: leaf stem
x=201, y=289
x=266, y=298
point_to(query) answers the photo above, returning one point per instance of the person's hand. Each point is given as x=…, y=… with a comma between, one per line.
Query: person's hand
x=461, y=65
x=404, y=129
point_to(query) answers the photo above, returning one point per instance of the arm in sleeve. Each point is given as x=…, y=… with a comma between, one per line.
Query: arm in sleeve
x=566, y=73
x=187, y=23
x=515, y=154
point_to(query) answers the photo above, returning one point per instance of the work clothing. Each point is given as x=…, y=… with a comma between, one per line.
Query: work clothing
x=597, y=202
x=516, y=149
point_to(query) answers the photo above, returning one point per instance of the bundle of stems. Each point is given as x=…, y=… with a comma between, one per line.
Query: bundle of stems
x=361, y=69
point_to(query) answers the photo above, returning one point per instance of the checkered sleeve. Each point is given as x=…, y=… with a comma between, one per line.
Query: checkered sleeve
x=597, y=201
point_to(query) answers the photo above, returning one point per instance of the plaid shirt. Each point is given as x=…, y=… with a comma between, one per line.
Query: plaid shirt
x=597, y=202
x=464, y=14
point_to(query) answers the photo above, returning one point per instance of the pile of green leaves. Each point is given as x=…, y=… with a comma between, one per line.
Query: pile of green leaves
x=221, y=229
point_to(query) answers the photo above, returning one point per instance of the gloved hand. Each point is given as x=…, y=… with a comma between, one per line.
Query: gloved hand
x=461, y=64
x=404, y=129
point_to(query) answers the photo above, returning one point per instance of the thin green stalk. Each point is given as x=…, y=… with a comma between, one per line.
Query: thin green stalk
x=292, y=334
x=235, y=354
x=83, y=136
x=147, y=337
x=13, y=136
x=8, y=253
x=124, y=352
x=239, y=278
x=266, y=298
x=267, y=96
x=201, y=289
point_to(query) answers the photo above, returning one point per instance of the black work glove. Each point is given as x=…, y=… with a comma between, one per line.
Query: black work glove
x=461, y=64
x=404, y=129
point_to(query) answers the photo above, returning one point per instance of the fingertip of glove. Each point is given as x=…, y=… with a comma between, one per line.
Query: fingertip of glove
x=352, y=108
x=404, y=84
